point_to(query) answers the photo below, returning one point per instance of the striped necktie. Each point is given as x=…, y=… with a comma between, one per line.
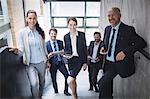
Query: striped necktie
x=56, y=57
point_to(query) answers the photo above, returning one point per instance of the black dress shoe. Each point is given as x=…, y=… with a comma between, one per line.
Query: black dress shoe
x=56, y=91
x=96, y=89
x=67, y=93
x=90, y=89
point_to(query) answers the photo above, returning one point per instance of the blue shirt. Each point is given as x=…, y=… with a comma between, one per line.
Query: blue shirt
x=112, y=57
x=34, y=45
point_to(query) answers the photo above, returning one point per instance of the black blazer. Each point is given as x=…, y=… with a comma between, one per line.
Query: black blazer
x=90, y=49
x=129, y=42
x=81, y=46
x=49, y=49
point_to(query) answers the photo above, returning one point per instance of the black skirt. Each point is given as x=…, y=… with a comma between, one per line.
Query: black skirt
x=74, y=66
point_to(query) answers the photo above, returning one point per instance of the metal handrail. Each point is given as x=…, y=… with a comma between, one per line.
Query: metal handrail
x=4, y=27
x=145, y=53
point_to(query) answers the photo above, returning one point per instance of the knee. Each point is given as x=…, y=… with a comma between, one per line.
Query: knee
x=103, y=83
x=33, y=76
x=34, y=81
x=70, y=80
x=34, y=84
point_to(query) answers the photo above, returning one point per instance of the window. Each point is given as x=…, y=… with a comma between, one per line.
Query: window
x=5, y=35
x=67, y=9
x=87, y=14
x=3, y=13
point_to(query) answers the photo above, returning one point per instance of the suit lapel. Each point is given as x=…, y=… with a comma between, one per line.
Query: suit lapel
x=92, y=46
x=60, y=45
x=119, y=36
x=50, y=46
x=108, y=31
x=78, y=41
x=99, y=47
x=69, y=43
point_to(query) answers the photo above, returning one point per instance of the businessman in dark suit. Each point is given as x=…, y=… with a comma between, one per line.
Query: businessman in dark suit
x=95, y=60
x=75, y=45
x=56, y=60
x=121, y=42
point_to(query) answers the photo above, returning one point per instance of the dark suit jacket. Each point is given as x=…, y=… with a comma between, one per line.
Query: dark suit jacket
x=49, y=49
x=90, y=49
x=129, y=42
x=81, y=46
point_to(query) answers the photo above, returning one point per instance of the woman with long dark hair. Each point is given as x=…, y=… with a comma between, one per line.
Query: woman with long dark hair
x=31, y=42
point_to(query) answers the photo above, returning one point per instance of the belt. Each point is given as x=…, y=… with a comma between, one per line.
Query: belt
x=109, y=62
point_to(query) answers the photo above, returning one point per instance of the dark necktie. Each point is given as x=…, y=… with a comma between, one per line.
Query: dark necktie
x=55, y=49
x=111, y=41
x=56, y=56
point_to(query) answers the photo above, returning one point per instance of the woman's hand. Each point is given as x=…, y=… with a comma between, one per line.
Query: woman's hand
x=14, y=50
x=48, y=64
x=84, y=66
x=62, y=52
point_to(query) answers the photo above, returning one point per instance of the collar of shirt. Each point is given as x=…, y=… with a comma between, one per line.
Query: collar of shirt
x=75, y=34
x=29, y=30
x=117, y=26
x=52, y=41
x=34, y=31
x=96, y=43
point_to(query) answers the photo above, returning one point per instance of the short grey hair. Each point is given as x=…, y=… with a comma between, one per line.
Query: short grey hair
x=116, y=9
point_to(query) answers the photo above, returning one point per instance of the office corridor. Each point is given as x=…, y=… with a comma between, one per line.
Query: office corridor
x=82, y=89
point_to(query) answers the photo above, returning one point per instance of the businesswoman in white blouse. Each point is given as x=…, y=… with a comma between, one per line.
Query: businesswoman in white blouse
x=30, y=42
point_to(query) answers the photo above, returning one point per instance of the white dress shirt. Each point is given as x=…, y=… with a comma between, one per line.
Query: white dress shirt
x=74, y=44
x=95, y=49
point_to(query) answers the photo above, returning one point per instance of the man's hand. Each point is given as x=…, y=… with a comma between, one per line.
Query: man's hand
x=103, y=51
x=84, y=66
x=97, y=59
x=14, y=50
x=50, y=55
x=120, y=56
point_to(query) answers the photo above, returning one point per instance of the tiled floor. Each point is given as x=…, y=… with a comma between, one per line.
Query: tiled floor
x=82, y=89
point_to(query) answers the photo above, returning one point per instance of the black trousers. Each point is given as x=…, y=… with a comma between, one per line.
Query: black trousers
x=106, y=82
x=53, y=70
x=93, y=70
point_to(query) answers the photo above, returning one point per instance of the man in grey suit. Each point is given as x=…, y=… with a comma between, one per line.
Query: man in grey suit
x=120, y=44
